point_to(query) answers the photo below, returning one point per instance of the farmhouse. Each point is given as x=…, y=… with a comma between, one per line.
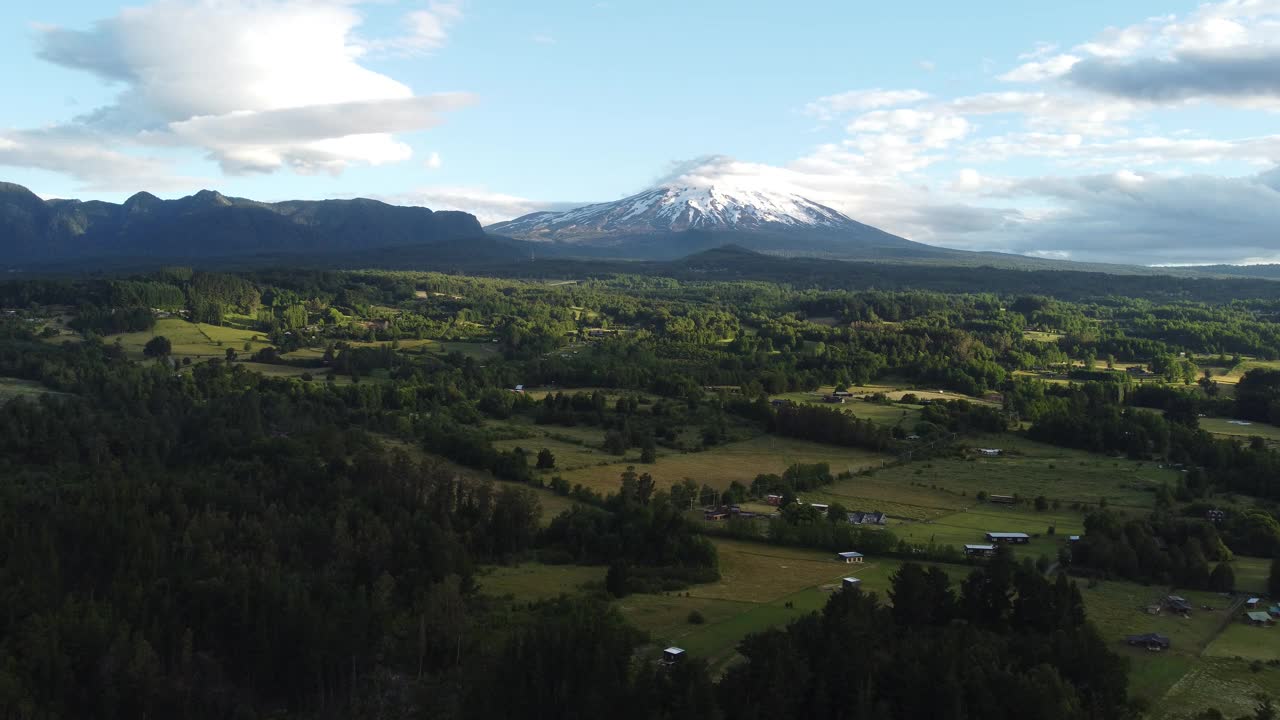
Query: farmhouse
x=1180, y=604
x=849, y=558
x=773, y=499
x=1002, y=499
x=1252, y=603
x=1009, y=537
x=867, y=518
x=990, y=452
x=979, y=550
x=672, y=655
x=779, y=403
x=715, y=515
x=1260, y=619
x=1150, y=641
x=820, y=507
x=833, y=399
x=850, y=583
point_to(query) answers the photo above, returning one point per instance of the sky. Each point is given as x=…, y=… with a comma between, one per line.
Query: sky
x=1136, y=132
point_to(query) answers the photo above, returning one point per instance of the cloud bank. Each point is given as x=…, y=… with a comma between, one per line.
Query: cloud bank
x=257, y=85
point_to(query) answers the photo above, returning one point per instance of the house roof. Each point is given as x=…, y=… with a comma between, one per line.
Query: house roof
x=1259, y=617
x=674, y=651
x=979, y=547
x=849, y=554
x=853, y=580
x=1007, y=535
x=1149, y=637
x=1253, y=601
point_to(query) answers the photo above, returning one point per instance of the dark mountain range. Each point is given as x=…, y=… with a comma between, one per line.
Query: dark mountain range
x=211, y=225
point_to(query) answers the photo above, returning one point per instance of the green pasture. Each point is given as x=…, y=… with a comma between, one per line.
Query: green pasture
x=1244, y=641
x=971, y=525
x=1224, y=426
x=721, y=465
x=534, y=581
x=11, y=388
x=1029, y=469
x=1251, y=573
x=198, y=341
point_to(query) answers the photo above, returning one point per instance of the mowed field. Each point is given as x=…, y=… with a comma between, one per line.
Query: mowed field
x=1029, y=469
x=1239, y=428
x=721, y=465
x=194, y=340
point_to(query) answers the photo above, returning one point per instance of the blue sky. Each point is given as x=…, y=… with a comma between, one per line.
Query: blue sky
x=1136, y=132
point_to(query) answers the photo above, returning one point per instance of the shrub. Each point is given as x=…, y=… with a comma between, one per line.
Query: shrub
x=696, y=618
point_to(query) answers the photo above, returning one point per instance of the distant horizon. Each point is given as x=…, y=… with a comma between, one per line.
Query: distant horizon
x=1098, y=132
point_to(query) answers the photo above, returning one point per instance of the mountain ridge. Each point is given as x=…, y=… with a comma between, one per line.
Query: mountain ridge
x=210, y=224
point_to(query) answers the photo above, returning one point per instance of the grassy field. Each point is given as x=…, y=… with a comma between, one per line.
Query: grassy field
x=971, y=526
x=1029, y=469
x=1229, y=685
x=536, y=581
x=193, y=340
x=1117, y=608
x=900, y=499
x=741, y=461
x=757, y=582
x=1247, y=642
x=1224, y=426
x=1251, y=573
x=11, y=388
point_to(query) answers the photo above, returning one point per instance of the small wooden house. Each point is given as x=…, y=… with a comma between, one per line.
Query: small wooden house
x=849, y=557
x=979, y=550
x=850, y=583
x=672, y=655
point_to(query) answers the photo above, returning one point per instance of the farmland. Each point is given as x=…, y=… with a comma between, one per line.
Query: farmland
x=1027, y=468
x=741, y=461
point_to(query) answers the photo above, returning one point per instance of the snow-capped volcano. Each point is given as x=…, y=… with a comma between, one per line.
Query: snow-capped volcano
x=679, y=207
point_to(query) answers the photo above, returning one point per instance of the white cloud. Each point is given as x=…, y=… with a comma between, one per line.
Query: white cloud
x=927, y=65
x=258, y=85
x=433, y=161
x=488, y=206
x=1040, y=70
x=831, y=106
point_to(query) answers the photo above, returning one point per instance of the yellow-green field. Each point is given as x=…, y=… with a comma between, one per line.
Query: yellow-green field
x=1233, y=376
x=11, y=388
x=900, y=499
x=972, y=525
x=194, y=340
x=1241, y=640
x=1224, y=426
x=741, y=461
x=1251, y=573
x=1029, y=469
x=535, y=581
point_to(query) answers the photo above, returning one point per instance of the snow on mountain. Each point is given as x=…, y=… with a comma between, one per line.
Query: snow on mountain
x=677, y=207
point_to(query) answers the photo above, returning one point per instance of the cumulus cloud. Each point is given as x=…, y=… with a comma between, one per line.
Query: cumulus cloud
x=832, y=106
x=1251, y=74
x=488, y=206
x=258, y=85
